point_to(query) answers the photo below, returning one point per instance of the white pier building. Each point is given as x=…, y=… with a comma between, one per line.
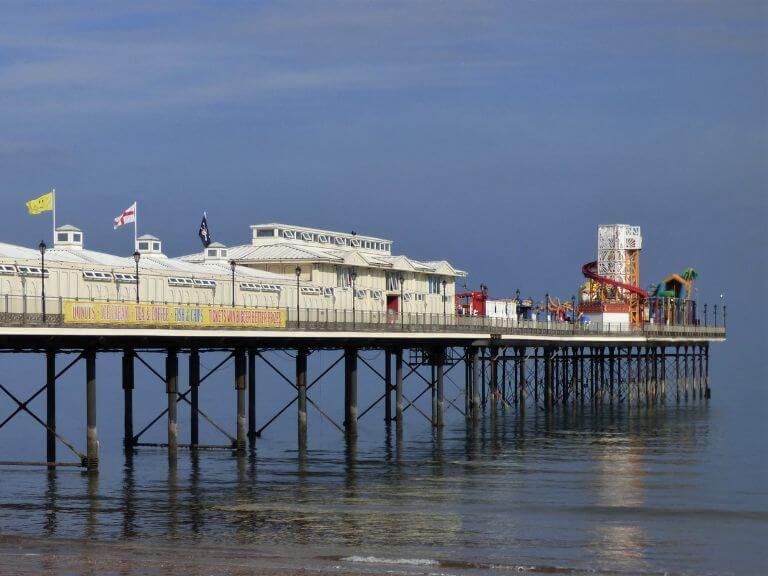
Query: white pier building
x=330, y=266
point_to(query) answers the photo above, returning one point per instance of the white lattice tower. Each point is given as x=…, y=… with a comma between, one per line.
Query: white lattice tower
x=617, y=252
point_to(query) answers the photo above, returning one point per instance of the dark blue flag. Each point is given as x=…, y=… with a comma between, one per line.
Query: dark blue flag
x=205, y=235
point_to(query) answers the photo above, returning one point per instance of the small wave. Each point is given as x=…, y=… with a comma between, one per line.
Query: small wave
x=377, y=560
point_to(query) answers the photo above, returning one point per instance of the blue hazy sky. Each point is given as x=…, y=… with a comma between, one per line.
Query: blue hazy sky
x=496, y=135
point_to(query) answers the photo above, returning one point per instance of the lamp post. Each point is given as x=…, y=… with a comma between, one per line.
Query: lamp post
x=705, y=315
x=573, y=311
x=136, y=258
x=233, y=265
x=715, y=307
x=445, y=298
x=354, y=296
x=546, y=308
x=721, y=300
x=401, y=280
x=297, y=271
x=42, y=247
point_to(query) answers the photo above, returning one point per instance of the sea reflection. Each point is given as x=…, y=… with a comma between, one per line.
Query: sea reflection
x=620, y=482
x=501, y=485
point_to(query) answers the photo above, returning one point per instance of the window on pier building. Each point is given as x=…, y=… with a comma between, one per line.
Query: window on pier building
x=343, y=276
x=434, y=284
x=393, y=281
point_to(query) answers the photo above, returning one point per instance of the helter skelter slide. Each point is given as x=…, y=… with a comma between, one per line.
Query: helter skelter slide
x=613, y=279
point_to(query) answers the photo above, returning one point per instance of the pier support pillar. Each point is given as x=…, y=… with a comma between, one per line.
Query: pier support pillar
x=656, y=373
x=252, y=397
x=240, y=387
x=92, y=436
x=611, y=373
x=387, y=387
x=566, y=381
x=301, y=386
x=433, y=388
x=677, y=373
x=467, y=385
x=593, y=374
x=50, y=405
x=440, y=415
x=548, y=379
x=128, y=386
x=639, y=379
x=350, y=392
x=582, y=382
x=482, y=381
x=172, y=389
x=574, y=379
x=399, y=389
x=647, y=375
x=503, y=392
x=628, y=378
x=708, y=391
x=692, y=356
x=663, y=374
x=603, y=370
x=493, y=383
x=521, y=378
x=475, y=379
x=194, y=388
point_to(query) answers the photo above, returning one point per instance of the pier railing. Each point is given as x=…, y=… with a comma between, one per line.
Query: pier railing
x=19, y=311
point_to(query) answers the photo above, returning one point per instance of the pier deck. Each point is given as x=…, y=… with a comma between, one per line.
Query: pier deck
x=507, y=365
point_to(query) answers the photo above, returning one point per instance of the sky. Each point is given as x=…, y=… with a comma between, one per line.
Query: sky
x=496, y=135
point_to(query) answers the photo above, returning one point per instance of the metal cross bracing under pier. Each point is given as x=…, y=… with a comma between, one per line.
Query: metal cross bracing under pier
x=420, y=376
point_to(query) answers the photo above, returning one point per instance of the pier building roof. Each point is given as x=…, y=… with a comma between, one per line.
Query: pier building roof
x=275, y=243
x=76, y=257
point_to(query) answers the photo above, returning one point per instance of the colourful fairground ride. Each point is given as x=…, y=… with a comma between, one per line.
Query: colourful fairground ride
x=672, y=300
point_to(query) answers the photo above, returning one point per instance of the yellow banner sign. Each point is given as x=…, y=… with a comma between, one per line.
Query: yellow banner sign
x=171, y=315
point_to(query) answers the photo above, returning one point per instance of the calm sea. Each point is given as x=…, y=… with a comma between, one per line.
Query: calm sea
x=679, y=489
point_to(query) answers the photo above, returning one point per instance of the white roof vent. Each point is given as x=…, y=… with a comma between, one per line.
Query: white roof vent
x=215, y=251
x=148, y=244
x=68, y=237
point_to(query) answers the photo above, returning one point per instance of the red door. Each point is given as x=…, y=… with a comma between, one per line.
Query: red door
x=393, y=305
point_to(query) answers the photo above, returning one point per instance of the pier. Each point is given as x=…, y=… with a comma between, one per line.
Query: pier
x=499, y=364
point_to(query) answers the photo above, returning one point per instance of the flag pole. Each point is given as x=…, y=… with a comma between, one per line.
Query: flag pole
x=53, y=193
x=135, y=226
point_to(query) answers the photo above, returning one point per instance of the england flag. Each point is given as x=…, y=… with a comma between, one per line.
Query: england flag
x=128, y=216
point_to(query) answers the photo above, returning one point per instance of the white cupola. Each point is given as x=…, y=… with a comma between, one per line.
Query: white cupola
x=148, y=244
x=68, y=237
x=215, y=251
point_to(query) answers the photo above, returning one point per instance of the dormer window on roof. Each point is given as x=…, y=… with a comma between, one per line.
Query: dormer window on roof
x=265, y=233
x=280, y=233
x=68, y=237
x=148, y=244
x=216, y=251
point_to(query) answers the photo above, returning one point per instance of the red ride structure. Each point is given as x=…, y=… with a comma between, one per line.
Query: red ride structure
x=590, y=271
x=472, y=303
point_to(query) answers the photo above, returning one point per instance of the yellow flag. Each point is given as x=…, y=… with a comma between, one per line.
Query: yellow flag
x=41, y=204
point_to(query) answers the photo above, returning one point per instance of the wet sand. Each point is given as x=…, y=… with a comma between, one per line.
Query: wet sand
x=21, y=556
